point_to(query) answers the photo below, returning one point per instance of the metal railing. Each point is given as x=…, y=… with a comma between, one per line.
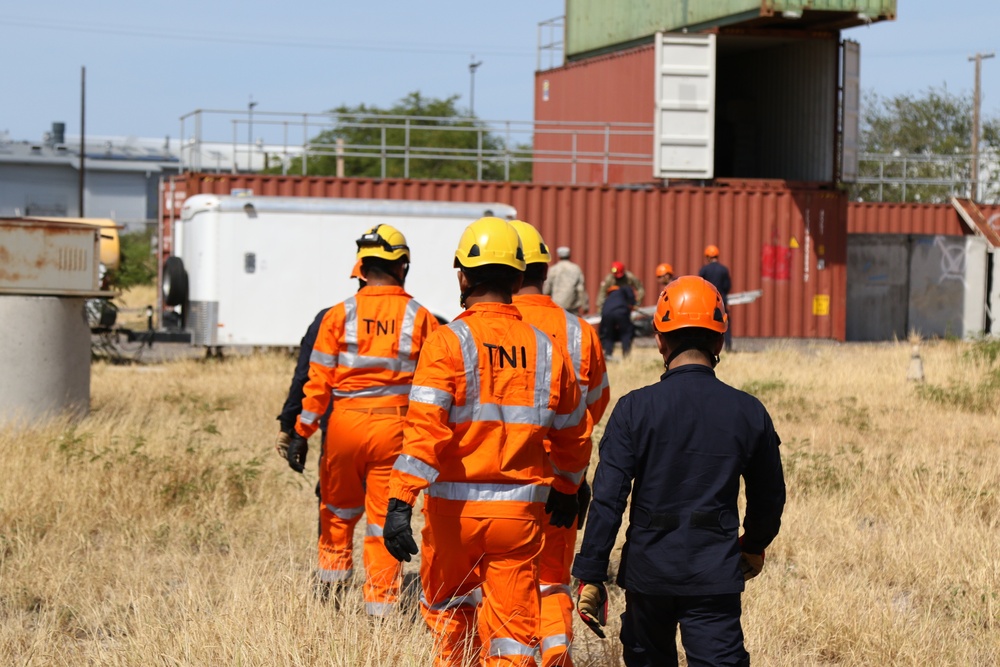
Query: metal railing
x=396, y=142
x=551, y=43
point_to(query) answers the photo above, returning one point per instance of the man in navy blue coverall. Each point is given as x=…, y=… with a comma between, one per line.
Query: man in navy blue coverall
x=717, y=273
x=680, y=446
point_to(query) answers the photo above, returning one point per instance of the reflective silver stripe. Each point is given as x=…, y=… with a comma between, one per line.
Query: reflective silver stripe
x=414, y=466
x=323, y=359
x=308, y=417
x=488, y=491
x=351, y=324
x=543, y=371
x=471, y=599
x=379, y=608
x=431, y=396
x=574, y=341
x=406, y=332
x=538, y=414
x=573, y=418
x=382, y=390
x=351, y=360
x=346, y=512
x=335, y=575
x=596, y=395
x=553, y=641
x=555, y=589
x=373, y=530
x=505, y=646
x=575, y=477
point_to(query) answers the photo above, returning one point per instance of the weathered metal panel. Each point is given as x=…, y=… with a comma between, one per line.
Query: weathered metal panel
x=44, y=358
x=850, y=111
x=617, y=88
x=898, y=218
x=596, y=25
x=789, y=242
x=937, y=285
x=877, y=287
x=49, y=258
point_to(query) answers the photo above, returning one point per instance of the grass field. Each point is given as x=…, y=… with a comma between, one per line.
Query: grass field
x=163, y=529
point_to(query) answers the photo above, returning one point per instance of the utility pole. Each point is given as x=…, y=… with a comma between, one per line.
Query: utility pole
x=250, y=107
x=473, y=66
x=83, y=133
x=976, y=103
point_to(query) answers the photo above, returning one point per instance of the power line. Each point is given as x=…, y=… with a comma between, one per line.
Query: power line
x=222, y=38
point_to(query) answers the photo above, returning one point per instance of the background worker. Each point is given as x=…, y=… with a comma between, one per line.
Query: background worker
x=616, y=319
x=578, y=341
x=716, y=273
x=488, y=390
x=681, y=446
x=619, y=277
x=363, y=359
x=565, y=284
x=296, y=392
x=664, y=274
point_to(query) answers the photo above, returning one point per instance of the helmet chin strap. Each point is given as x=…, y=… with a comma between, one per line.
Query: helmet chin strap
x=691, y=345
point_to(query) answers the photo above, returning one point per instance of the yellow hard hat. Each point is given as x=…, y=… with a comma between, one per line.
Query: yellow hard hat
x=535, y=250
x=384, y=242
x=489, y=241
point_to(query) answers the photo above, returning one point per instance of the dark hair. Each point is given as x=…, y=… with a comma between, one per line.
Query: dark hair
x=494, y=277
x=535, y=272
x=693, y=338
x=386, y=267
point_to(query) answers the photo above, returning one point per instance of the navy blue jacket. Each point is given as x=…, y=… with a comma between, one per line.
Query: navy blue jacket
x=718, y=275
x=293, y=404
x=680, y=446
x=618, y=301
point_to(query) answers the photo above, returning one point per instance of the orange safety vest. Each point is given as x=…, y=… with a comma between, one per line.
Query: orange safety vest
x=365, y=353
x=578, y=341
x=488, y=390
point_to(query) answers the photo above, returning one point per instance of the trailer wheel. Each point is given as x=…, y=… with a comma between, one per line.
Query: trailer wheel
x=175, y=282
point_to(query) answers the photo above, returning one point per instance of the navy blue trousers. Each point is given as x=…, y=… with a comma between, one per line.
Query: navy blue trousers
x=710, y=630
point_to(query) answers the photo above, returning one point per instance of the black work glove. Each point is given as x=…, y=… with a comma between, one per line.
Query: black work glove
x=562, y=508
x=592, y=606
x=298, y=447
x=583, y=497
x=397, y=534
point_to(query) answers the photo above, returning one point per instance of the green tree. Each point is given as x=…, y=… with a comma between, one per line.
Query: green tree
x=443, y=144
x=925, y=137
x=138, y=264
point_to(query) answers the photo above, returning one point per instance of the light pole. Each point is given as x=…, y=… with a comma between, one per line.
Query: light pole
x=976, y=103
x=473, y=66
x=250, y=105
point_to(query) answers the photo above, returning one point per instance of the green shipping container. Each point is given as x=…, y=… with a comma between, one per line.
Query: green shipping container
x=600, y=26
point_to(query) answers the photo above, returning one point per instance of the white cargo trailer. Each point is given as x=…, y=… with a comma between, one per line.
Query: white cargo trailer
x=256, y=270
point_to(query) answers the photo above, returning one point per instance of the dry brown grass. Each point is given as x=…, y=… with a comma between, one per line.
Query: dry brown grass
x=163, y=530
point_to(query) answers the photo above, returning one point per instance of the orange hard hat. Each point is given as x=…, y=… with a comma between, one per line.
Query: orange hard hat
x=711, y=251
x=618, y=269
x=356, y=271
x=664, y=269
x=690, y=302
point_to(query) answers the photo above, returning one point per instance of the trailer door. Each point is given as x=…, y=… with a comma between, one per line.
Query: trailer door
x=684, y=125
x=849, y=111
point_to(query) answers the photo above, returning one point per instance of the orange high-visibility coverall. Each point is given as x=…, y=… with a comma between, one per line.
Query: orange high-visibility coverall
x=364, y=357
x=487, y=391
x=579, y=342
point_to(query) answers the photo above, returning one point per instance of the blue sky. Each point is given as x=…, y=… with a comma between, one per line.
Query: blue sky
x=150, y=62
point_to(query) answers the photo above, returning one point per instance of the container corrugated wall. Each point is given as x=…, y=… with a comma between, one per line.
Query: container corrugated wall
x=617, y=88
x=598, y=25
x=900, y=218
x=789, y=242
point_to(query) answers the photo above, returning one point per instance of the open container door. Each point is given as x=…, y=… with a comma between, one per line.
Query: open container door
x=684, y=132
x=850, y=97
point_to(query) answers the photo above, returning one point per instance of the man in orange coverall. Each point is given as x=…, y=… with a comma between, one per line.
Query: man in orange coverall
x=488, y=390
x=578, y=341
x=364, y=357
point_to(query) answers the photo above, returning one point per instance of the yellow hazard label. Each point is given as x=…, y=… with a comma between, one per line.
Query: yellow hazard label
x=821, y=304
x=793, y=243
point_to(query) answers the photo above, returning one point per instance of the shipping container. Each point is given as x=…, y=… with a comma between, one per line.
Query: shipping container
x=737, y=104
x=789, y=242
x=907, y=218
x=595, y=26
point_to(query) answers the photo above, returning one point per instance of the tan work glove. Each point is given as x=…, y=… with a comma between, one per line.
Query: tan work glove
x=751, y=565
x=281, y=444
x=592, y=605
